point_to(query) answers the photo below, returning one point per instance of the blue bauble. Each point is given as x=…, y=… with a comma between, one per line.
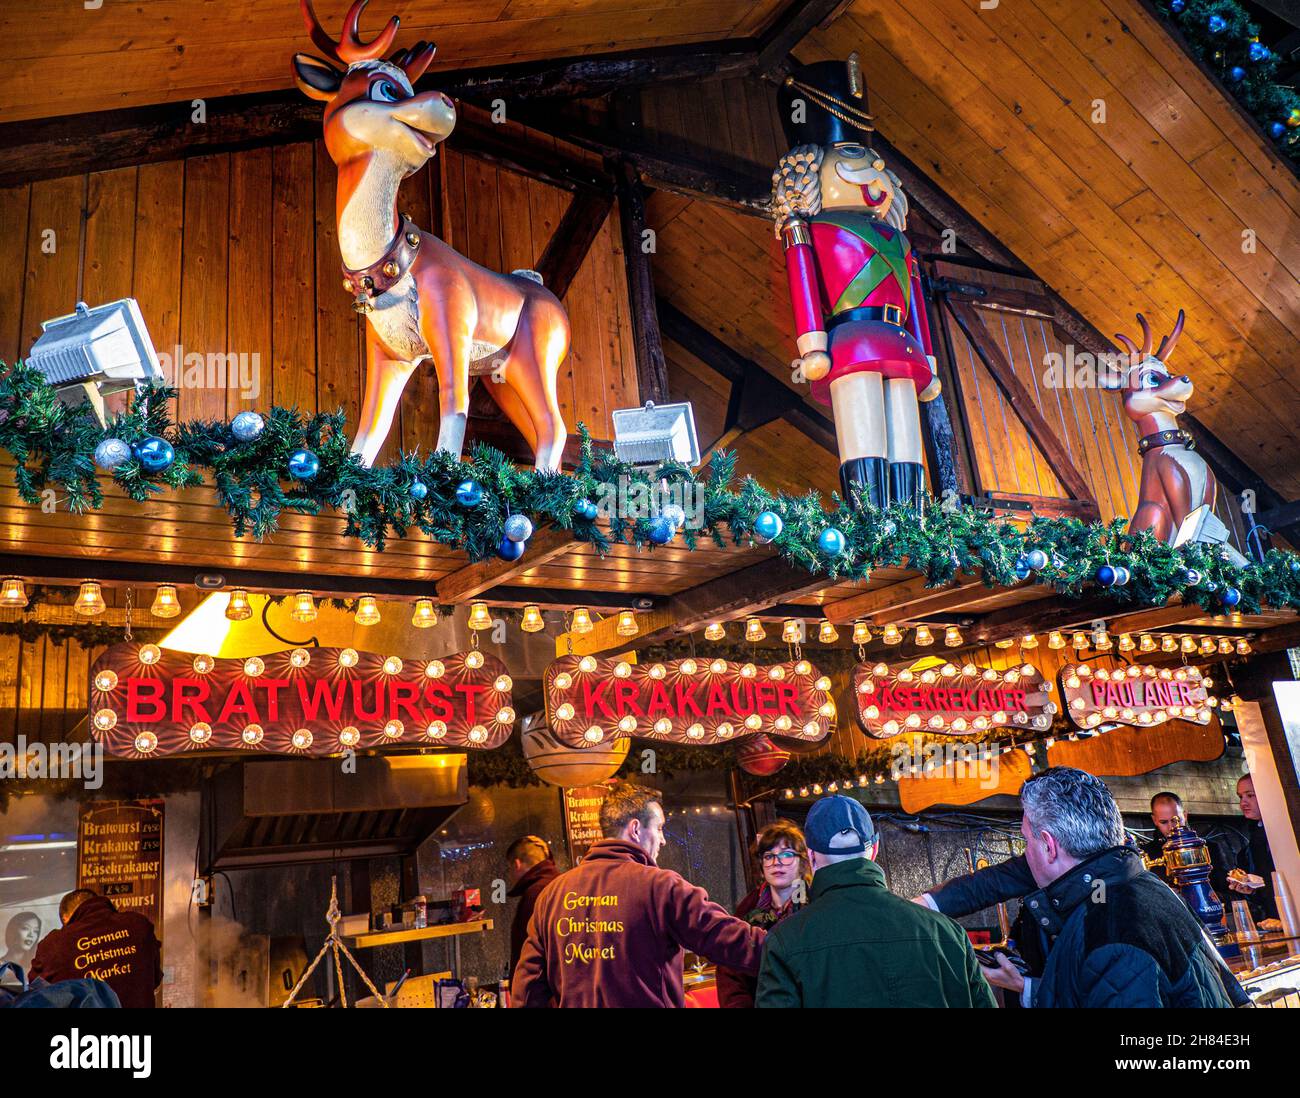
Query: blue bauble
x=768, y=526
x=674, y=514
x=831, y=542
x=518, y=527
x=1259, y=52
x=247, y=426
x=1191, y=577
x=1216, y=24
x=1177, y=6
x=1106, y=575
x=469, y=493
x=1022, y=569
x=154, y=454
x=1236, y=74
x=661, y=530
x=1122, y=575
x=1036, y=559
x=419, y=489
x=1277, y=130
x=585, y=508
x=1230, y=597
x=1294, y=564
x=511, y=550
x=303, y=464
x=111, y=453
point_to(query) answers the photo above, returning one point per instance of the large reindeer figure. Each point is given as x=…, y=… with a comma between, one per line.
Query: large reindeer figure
x=1175, y=479
x=421, y=298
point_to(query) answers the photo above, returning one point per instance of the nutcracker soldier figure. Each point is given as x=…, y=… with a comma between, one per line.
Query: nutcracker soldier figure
x=862, y=333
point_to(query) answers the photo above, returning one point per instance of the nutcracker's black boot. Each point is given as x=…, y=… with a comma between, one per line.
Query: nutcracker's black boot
x=906, y=482
x=866, y=478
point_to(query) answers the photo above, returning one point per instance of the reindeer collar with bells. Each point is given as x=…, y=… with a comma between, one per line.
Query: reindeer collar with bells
x=367, y=283
x=1175, y=437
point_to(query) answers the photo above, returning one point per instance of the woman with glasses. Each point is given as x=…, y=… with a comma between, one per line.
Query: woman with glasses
x=782, y=855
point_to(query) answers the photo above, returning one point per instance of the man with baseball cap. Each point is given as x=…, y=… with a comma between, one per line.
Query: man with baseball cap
x=856, y=944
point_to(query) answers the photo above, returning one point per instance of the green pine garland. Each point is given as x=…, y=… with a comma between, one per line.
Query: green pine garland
x=53, y=446
x=1272, y=104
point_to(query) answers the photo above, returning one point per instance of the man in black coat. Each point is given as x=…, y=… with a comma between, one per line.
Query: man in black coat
x=1112, y=934
x=1255, y=857
x=531, y=869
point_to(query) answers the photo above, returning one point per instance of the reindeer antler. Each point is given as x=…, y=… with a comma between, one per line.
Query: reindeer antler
x=1167, y=342
x=415, y=59
x=349, y=49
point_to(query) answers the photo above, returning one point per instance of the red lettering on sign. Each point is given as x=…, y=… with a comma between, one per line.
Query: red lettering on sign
x=145, y=692
x=359, y=698
x=190, y=694
x=273, y=688
x=765, y=698
x=660, y=702
x=717, y=703
x=789, y=698
x=405, y=695
x=742, y=698
x=239, y=701
x=686, y=702
x=470, y=690
x=331, y=694
x=627, y=698
x=439, y=694
x=593, y=695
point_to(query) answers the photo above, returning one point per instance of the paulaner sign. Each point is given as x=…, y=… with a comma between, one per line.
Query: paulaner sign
x=950, y=699
x=147, y=702
x=590, y=701
x=1137, y=695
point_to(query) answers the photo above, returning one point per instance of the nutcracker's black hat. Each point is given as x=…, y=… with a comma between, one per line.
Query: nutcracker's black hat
x=825, y=103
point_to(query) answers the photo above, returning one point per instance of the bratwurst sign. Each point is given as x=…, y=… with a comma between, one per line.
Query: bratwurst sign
x=590, y=701
x=146, y=701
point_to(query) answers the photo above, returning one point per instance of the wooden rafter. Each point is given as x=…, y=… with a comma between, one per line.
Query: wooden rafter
x=651, y=368
x=474, y=579
x=572, y=240
x=909, y=598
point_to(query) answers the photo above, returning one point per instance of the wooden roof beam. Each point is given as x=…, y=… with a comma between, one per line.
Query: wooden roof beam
x=473, y=579
x=903, y=600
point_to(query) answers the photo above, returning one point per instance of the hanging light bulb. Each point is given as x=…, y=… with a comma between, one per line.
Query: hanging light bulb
x=924, y=638
x=532, y=622
x=790, y=631
x=1006, y=642
x=1147, y=643
x=891, y=635
x=1029, y=640
x=1168, y=643
x=165, y=602
x=627, y=626
x=861, y=633
x=1126, y=642
x=239, y=608
x=1187, y=644
x=1080, y=641
x=1207, y=646
x=754, y=630
x=90, y=600
x=425, y=614
x=1101, y=641
x=1225, y=646
x=479, y=616
x=581, y=620
x=952, y=637
x=1055, y=639
x=13, y=595
x=1243, y=647
x=715, y=631
x=367, y=611
x=827, y=633
x=304, y=607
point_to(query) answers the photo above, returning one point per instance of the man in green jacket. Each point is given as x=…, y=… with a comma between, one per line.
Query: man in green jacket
x=857, y=944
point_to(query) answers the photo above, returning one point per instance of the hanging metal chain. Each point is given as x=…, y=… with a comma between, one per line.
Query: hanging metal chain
x=126, y=634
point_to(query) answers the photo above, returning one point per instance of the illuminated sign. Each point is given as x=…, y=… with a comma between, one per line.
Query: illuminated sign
x=147, y=701
x=590, y=701
x=1137, y=695
x=950, y=699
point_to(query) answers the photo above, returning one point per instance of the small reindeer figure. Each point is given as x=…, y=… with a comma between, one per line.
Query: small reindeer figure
x=421, y=298
x=1175, y=479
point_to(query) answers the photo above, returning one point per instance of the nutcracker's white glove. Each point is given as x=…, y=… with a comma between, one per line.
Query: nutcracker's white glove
x=936, y=386
x=813, y=366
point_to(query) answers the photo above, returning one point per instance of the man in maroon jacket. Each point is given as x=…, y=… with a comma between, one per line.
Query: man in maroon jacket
x=531, y=869
x=100, y=942
x=610, y=932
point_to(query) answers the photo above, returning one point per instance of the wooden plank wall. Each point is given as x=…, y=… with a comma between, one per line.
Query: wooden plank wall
x=1100, y=438
x=237, y=253
x=732, y=122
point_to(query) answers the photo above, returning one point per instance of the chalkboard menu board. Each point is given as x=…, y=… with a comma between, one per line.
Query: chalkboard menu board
x=120, y=855
x=582, y=818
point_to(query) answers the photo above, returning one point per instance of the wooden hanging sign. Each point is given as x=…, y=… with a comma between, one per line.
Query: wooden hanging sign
x=951, y=699
x=146, y=701
x=590, y=701
x=1139, y=695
